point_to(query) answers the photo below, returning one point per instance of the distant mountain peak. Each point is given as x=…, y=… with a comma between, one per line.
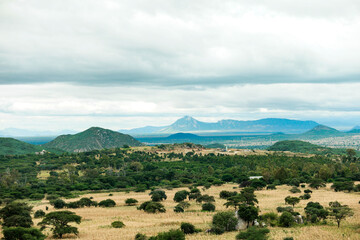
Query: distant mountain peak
x=322, y=130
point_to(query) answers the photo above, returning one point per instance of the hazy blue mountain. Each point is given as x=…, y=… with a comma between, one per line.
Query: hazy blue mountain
x=355, y=129
x=322, y=130
x=16, y=132
x=189, y=124
x=92, y=139
x=183, y=136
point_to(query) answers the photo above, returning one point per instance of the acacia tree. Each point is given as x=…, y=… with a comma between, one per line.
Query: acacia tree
x=59, y=223
x=16, y=214
x=339, y=212
x=248, y=213
x=292, y=200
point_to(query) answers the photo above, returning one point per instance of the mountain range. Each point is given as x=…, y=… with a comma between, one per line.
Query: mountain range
x=191, y=125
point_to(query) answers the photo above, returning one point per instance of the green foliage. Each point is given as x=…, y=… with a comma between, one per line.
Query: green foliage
x=11, y=146
x=205, y=198
x=343, y=186
x=152, y=207
x=270, y=218
x=315, y=212
x=339, y=212
x=170, y=235
x=295, y=190
x=158, y=195
x=271, y=187
x=20, y=233
x=184, y=205
x=248, y=213
x=317, y=183
x=306, y=196
x=107, y=203
x=181, y=195
x=178, y=209
x=292, y=200
x=254, y=233
x=59, y=223
x=208, y=207
x=257, y=184
x=16, y=214
x=39, y=214
x=140, y=236
x=226, y=194
x=117, y=224
x=58, y=203
x=188, y=228
x=284, y=209
x=131, y=201
x=225, y=221
x=286, y=220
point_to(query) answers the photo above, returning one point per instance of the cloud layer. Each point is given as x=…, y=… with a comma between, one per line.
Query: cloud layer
x=179, y=42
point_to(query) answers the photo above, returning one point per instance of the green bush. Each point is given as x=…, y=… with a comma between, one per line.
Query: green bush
x=254, y=233
x=178, y=209
x=37, y=196
x=295, y=190
x=152, y=207
x=188, y=228
x=131, y=201
x=171, y=235
x=39, y=214
x=224, y=220
x=181, y=195
x=158, y=195
x=117, y=224
x=284, y=209
x=226, y=194
x=58, y=203
x=289, y=238
x=140, y=236
x=208, y=207
x=107, y=203
x=270, y=218
x=20, y=233
x=286, y=219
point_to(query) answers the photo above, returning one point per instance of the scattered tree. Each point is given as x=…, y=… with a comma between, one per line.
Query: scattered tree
x=339, y=212
x=59, y=223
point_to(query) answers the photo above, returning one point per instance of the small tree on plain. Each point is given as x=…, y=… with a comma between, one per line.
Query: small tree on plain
x=292, y=200
x=59, y=223
x=339, y=212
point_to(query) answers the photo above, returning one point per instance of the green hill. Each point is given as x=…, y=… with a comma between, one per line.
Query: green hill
x=11, y=146
x=322, y=131
x=94, y=138
x=304, y=147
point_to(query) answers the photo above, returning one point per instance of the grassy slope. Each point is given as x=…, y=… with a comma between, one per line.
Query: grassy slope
x=11, y=146
x=91, y=139
x=304, y=147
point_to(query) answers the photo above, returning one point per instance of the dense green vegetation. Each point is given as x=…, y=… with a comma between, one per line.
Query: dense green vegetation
x=11, y=146
x=139, y=170
x=91, y=139
x=305, y=147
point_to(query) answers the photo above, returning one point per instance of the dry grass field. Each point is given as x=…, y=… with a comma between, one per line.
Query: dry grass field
x=96, y=221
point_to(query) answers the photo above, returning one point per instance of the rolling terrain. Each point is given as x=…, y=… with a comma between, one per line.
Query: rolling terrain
x=94, y=138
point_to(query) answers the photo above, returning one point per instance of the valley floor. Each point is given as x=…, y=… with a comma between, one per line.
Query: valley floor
x=96, y=221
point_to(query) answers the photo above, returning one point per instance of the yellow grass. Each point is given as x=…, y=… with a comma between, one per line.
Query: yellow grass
x=96, y=221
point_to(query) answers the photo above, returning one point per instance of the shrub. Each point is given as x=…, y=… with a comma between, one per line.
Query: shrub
x=286, y=219
x=205, y=198
x=217, y=230
x=171, y=235
x=181, y=195
x=58, y=203
x=140, y=236
x=188, y=228
x=295, y=190
x=107, y=203
x=343, y=186
x=158, y=195
x=20, y=233
x=224, y=220
x=39, y=214
x=226, y=194
x=292, y=200
x=314, y=212
x=37, y=196
x=152, y=207
x=254, y=233
x=257, y=184
x=248, y=213
x=270, y=218
x=302, y=185
x=178, y=209
x=117, y=224
x=306, y=196
x=289, y=238
x=131, y=201
x=284, y=209
x=307, y=191
x=271, y=187
x=184, y=205
x=208, y=207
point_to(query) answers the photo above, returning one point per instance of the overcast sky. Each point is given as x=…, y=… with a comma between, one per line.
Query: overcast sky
x=122, y=64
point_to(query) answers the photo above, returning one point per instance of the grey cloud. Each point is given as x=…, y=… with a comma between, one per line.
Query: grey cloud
x=178, y=43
